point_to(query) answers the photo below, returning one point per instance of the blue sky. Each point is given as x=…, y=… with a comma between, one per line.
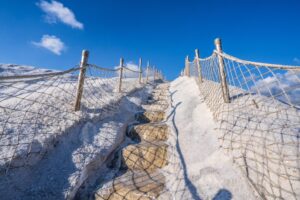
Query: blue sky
x=163, y=32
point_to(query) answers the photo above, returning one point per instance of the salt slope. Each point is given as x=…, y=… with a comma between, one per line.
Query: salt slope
x=75, y=158
x=199, y=169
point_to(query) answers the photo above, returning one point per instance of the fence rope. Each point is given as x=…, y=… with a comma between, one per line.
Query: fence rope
x=258, y=64
x=260, y=127
x=135, y=71
x=104, y=69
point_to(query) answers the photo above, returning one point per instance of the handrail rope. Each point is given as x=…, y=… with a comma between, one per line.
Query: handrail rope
x=207, y=58
x=258, y=64
x=105, y=69
x=116, y=69
x=132, y=70
x=39, y=75
x=201, y=59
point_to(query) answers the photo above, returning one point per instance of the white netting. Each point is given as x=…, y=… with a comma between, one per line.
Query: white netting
x=35, y=110
x=260, y=126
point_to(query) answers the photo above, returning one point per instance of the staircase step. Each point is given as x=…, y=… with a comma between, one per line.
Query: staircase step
x=162, y=103
x=151, y=132
x=133, y=185
x=146, y=156
x=143, y=179
x=162, y=94
x=154, y=99
x=154, y=107
x=163, y=86
x=150, y=116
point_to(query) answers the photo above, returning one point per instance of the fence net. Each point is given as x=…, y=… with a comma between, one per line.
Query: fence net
x=35, y=110
x=260, y=126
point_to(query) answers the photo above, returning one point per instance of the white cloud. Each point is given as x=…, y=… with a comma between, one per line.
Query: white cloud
x=296, y=60
x=284, y=87
x=56, y=11
x=52, y=43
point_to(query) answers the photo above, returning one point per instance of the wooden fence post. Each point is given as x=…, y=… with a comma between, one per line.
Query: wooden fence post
x=224, y=85
x=187, y=66
x=140, y=67
x=121, y=74
x=197, y=59
x=184, y=70
x=147, y=72
x=83, y=64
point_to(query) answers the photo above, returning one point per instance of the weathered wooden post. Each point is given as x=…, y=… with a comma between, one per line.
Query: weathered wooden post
x=147, y=72
x=225, y=90
x=121, y=74
x=154, y=73
x=197, y=60
x=184, y=69
x=83, y=64
x=140, y=74
x=159, y=74
x=187, y=66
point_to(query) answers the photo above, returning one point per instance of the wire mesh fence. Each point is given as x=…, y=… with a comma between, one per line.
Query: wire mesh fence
x=260, y=126
x=37, y=109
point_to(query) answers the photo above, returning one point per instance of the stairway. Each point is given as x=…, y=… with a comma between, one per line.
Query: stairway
x=143, y=179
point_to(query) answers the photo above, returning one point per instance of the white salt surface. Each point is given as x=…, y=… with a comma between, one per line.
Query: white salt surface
x=74, y=158
x=198, y=168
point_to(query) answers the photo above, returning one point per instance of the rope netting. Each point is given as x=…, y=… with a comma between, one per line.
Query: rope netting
x=35, y=110
x=260, y=126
